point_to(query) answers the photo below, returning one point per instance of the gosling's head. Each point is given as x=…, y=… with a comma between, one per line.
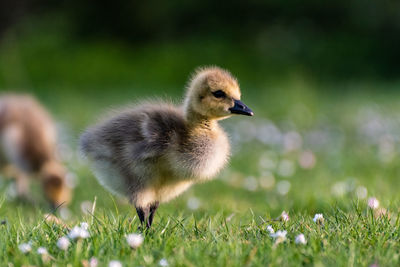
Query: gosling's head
x=53, y=180
x=214, y=93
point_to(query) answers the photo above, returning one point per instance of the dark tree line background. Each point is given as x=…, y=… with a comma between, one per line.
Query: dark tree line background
x=358, y=37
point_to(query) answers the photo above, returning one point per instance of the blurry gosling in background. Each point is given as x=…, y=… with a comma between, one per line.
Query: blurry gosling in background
x=28, y=147
x=153, y=152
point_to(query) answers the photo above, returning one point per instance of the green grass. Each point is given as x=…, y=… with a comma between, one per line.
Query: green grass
x=353, y=134
x=229, y=227
x=350, y=238
x=354, y=238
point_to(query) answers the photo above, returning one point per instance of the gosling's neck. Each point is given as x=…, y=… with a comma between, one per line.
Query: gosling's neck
x=196, y=121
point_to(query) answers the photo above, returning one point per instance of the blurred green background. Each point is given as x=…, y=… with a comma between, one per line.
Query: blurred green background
x=321, y=76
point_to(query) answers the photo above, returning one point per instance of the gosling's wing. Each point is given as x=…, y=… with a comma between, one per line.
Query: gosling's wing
x=107, y=139
x=162, y=127
x=141, y=133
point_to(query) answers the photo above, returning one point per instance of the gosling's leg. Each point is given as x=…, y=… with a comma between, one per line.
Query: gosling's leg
x=153, y=209
x=143, y=214
x=146, y=214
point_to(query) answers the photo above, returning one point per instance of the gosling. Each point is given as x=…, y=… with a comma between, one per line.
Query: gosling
x=153, y=152
x=28, y=148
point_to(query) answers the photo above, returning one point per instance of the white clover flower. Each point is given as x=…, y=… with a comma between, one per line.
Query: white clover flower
x=93, y=262
x=285, y=216
x=339, y=189
x=78, y=233
x=286, y=168
x=42, y=251
x=373, y=203
x=319, y=218
x=134, y=240
x=63, y=243
x=114, y=263
x=283, y=187
x=163, y=262
x=267, y=180
x=25, y=247
x=300, y=239
x=361, y=192
x=307, y=160
x=292, y=141
x=280, y=236
x=84, y=225
x=250, y=183
x=270, y=229
x=268, y=161
x=193, y=203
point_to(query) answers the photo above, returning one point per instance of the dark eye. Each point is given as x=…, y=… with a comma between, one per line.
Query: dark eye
x=219, y=94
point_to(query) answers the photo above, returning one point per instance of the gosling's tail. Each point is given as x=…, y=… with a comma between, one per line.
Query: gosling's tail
x=92, y=147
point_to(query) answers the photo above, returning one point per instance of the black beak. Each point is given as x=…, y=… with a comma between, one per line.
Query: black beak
x=241, y=108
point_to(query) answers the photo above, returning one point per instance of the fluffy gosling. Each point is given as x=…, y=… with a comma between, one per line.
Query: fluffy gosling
x=153, y=152
x=27, y=147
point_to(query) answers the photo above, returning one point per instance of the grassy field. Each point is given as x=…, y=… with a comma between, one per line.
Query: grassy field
x=308, y=150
